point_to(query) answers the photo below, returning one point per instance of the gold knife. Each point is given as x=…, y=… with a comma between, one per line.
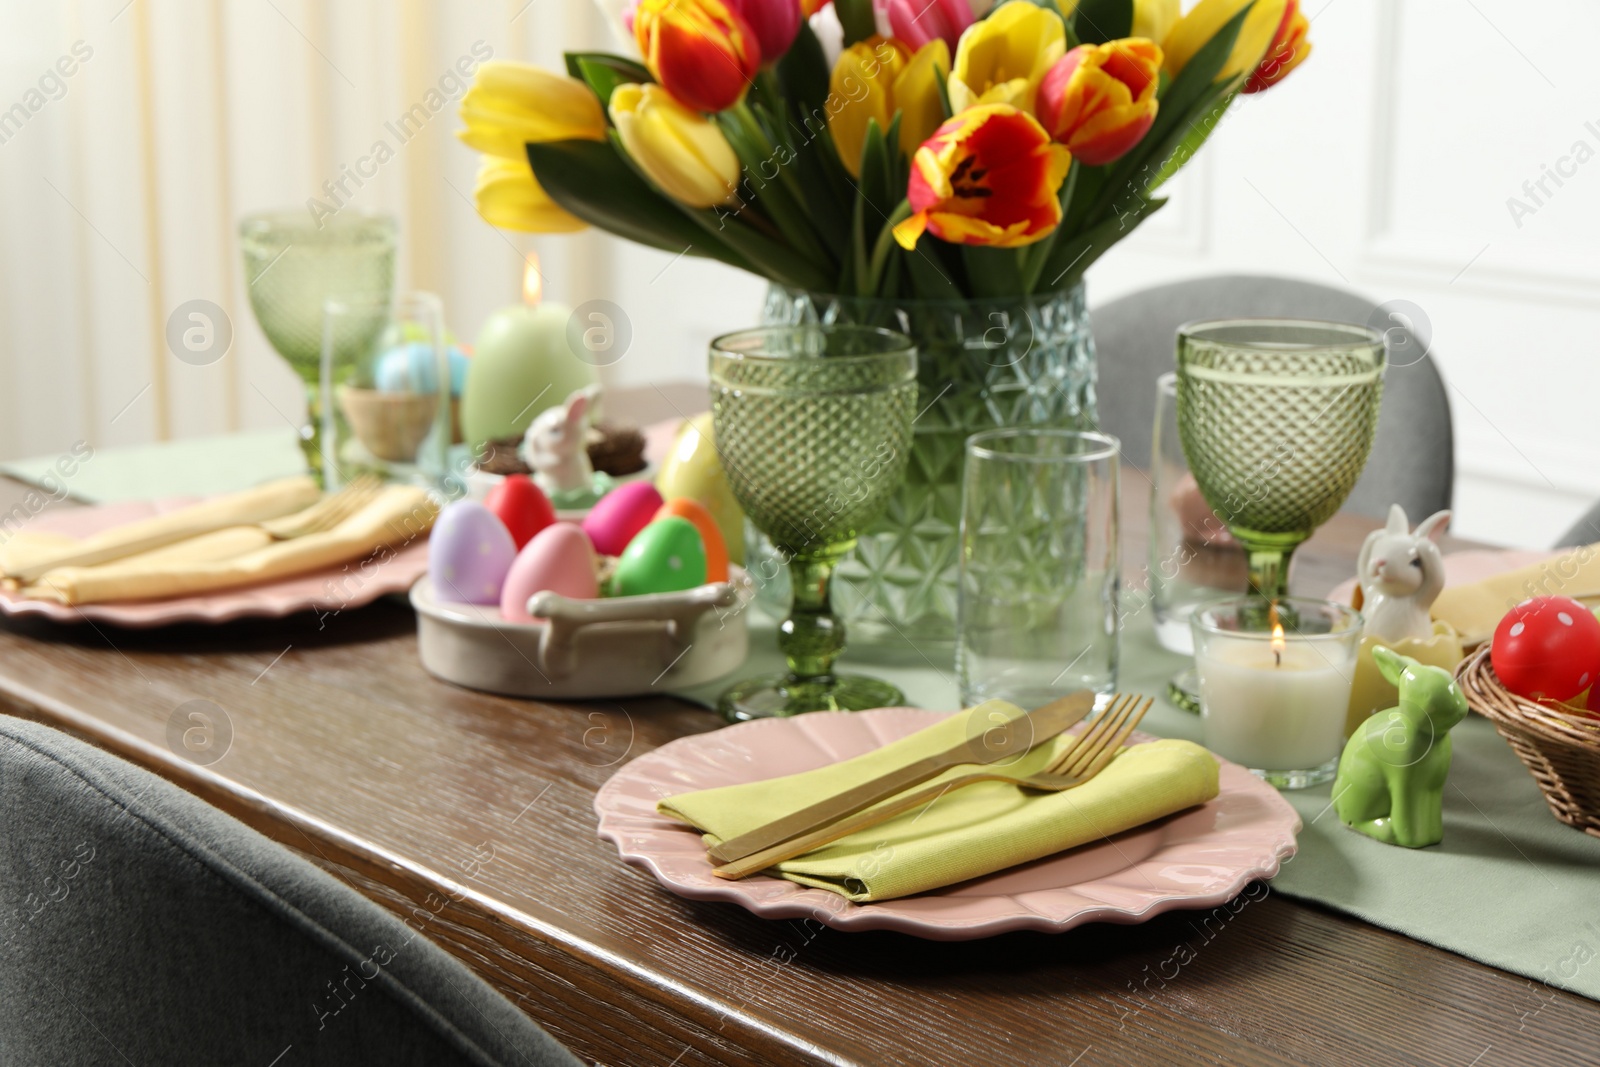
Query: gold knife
x=1013, y=738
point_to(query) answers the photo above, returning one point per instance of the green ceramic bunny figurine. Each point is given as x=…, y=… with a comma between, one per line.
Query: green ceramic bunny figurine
x=1390, y=784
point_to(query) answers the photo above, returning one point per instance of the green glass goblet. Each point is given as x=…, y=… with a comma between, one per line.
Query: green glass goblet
x=294, y=264
x=1277, y=418
x=813, y=426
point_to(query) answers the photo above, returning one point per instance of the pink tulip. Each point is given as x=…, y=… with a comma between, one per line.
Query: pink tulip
x=775, y=21
x=916, y=22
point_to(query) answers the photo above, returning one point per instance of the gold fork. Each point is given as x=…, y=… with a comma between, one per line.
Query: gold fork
x=326, y=513
x=1088, y=754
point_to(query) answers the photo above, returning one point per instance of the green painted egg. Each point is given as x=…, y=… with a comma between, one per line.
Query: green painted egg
x=664, y=557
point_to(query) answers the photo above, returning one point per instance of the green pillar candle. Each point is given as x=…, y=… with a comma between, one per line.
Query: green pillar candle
x=522, y=363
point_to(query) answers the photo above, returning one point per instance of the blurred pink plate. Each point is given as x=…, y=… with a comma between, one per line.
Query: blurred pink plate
x=330, y=589
x=1196, y=859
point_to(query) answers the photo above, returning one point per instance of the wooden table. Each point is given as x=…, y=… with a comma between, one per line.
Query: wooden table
x=472, y=815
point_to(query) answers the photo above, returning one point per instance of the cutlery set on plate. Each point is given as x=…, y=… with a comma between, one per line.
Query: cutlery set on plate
x=863, y=806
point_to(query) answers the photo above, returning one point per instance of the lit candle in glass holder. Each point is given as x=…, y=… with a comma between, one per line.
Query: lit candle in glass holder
x=1275, y=684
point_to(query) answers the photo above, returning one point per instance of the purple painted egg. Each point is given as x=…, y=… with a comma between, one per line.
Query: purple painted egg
x=621, y=514
x=469, y=553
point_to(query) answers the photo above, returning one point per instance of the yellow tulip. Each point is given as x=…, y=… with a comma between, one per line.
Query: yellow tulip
x=511, y=104
x=877, y=77
x=1193, y=30
x=508, y=196
x=916, y=94
x=679, y=149
x=1001, y=58
x=1154, y=19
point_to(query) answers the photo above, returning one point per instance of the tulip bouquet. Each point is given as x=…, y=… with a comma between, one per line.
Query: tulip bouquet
x=944, y=151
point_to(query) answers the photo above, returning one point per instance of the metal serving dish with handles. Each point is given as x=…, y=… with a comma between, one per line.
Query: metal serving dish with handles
x=619, y=646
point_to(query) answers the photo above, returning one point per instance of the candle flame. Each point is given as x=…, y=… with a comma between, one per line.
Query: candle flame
x=532, y=281
x=1278, y=643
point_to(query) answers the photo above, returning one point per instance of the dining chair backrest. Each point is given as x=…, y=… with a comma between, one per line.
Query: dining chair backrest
x=1413, y=458
x=138, y=924
x=1586, y=531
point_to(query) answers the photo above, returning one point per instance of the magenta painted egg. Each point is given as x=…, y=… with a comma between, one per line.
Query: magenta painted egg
x=1547, y=648
x=469, y=553
x=558, y=559
x=621, y=514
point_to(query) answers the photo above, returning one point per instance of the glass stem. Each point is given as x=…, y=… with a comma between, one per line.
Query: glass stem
x=311, y=434
x=1269, y=572
x=812, y=637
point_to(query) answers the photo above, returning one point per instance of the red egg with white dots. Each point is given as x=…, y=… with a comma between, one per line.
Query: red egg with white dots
x=1547, y=648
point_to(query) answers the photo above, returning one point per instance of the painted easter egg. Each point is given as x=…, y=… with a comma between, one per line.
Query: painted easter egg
x=710, y=535
x=1547, y=648
x=693, y=469
x=619, y=515
x=666, y=556
x=521, y=506
x=559, y=558
x=411, y=368
x=469, y=553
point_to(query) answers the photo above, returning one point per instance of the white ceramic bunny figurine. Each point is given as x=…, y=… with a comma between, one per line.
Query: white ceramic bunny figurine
x=1401, y=573
x=556, y=444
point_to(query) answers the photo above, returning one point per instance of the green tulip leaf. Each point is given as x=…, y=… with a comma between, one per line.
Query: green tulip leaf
x=603, y=75
x=857, y=19
x=603, y=72
x=594, y=181
x=1071, y=258
x=803, y=73
x=1099, y=21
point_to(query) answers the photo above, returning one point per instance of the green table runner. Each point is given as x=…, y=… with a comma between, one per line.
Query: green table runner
x=1509, y=886
x=193, y=466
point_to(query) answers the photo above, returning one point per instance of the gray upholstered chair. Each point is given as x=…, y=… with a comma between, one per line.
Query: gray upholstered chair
x=1413, y=459
x=1586, y=531
x=140, y=925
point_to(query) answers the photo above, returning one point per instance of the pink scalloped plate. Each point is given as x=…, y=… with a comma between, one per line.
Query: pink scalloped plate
x=1196, y=859
x=331, y=589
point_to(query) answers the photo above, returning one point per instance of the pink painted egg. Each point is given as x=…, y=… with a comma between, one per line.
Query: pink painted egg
x=469, y=553
x=560, y=559
x=621, y=514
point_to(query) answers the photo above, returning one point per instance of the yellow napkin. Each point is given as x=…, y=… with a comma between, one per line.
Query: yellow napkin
x=242, y=555
x=27, y=558
x=1475, y=610
x=966, y=833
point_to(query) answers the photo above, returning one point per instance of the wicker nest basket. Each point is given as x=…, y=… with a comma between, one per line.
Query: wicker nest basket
x=1561, y=749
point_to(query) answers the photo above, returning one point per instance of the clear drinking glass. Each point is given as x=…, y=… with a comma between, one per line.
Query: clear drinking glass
x=1039, y=568
x=293, y=264
x=387, y=366
x=1193, y=557
x=1275, y=684
x=813, y=425
x=1277, y=418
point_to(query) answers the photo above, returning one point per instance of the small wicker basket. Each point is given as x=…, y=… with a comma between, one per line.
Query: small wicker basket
x=1560, y=748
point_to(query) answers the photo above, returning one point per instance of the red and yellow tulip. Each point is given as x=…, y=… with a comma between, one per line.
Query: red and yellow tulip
x=1288, y=49
x=702, y=51
x=989, y=176
x=1099, y=100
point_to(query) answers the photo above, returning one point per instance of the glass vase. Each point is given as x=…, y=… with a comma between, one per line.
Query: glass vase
x=983, y=364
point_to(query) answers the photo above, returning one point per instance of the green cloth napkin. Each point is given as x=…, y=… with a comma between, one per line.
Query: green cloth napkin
x=969, y=832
